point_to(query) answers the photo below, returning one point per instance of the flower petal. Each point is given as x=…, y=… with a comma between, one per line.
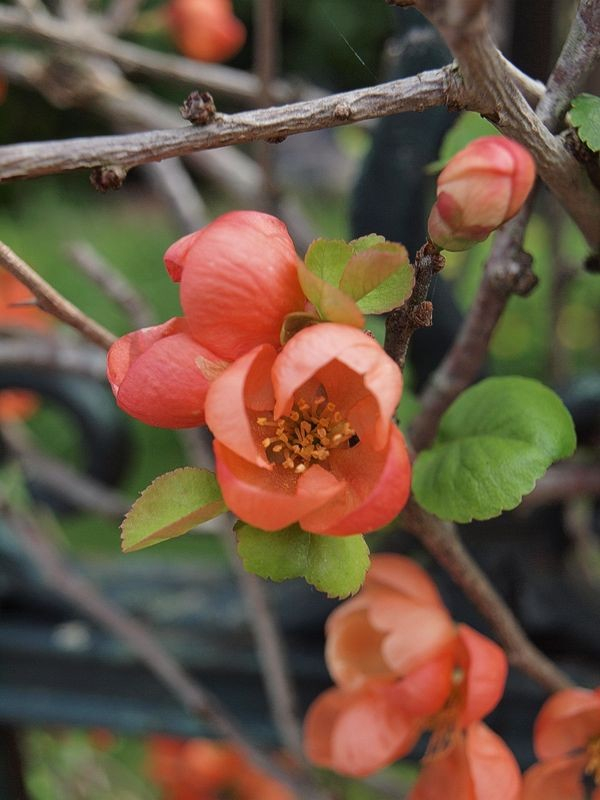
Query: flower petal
x=377, y=487
x=486, y=667
x=358, y=733
x=394, y=571
x=244, y=383
x=155, y=376
x=238, y=281
x=566, y=722
x=424, y=691
x=314, y=348
x=557, y=779
x=271, y=499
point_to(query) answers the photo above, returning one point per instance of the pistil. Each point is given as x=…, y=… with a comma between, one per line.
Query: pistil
x=307, y=435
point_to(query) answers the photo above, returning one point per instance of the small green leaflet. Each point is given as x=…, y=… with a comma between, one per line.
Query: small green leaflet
x=173, y=504
x=494, y=442
x=336, y=565
x=366, y=276
x=585, y=116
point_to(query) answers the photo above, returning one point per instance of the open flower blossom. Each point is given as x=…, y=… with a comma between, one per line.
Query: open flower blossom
x=478, y=766
x=566, y=740
x=480, y=188
x=306, y=435
x=200, y=769
x=401, y=666
x=238, y=279
x=206, y=30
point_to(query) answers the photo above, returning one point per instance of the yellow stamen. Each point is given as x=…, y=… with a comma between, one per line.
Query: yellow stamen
x=592, y=766
x=306, y=435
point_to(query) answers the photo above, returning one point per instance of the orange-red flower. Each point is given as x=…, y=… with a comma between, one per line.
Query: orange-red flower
x=306, y=435
x=480, y=188
x=566, y=739
x=199, y=769
x=206, y=30
x=238, y=282
x=401, y=666
x=478, y=766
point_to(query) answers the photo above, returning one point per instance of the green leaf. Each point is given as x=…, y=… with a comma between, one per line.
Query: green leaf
x=585, y=116
x=467, y=127
x=366, y=242
x=494, y=442
x=331, y=303
x=170, y=506
x=336, y=565
x=327, y=258
x=383, y=274
x=294, y=322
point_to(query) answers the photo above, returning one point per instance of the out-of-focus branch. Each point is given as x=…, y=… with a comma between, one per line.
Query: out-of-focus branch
x=87, y=37
x=564, y=482
x=88, y=599
x=112, y=283
x=442, y=541
x=174, y=185
x=579, y=56
x=120, y=15
x=43, y=351
x=426, y=90
x=51, y=301
x=507, y=272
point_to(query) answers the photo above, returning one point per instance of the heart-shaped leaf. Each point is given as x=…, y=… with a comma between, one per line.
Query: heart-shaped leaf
x=173, y=504
x=336, y=565
x=494, y=442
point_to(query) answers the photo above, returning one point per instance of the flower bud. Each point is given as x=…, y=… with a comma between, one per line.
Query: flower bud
x=480, y=188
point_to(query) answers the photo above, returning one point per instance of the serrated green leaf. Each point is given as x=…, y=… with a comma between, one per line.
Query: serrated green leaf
x=494, y=442
x=467, y=127
x=383, y=274
x=173, y=504
x=334, y=565
x=585, y=116
x=327, y=258
x=331, y=303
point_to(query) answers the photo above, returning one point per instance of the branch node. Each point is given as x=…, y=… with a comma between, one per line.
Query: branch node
x=110, y=176
x=198, y=108
x=342, y=111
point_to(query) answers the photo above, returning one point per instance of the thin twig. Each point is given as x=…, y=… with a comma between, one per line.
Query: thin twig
x=85, y=596
x=51, y=301
x=271, y=655
x=442, y=541
x=113, y=284
x=88, y=38
x=417, y=311
x=426, y=90
x=507, y=271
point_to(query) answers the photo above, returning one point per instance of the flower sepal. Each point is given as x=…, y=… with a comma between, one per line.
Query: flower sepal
x=334, y=565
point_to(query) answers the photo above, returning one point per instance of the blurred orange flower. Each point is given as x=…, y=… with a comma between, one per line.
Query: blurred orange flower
x=401, y=667
x=206, y=30
x=200, y=769
x=14, y=317
x=566, y=740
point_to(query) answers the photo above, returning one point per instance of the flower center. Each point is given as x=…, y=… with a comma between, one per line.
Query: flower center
x=307, y=435
x=592, y=766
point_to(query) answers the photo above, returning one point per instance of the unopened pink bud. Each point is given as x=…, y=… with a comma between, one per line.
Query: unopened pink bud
x=480, y=188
